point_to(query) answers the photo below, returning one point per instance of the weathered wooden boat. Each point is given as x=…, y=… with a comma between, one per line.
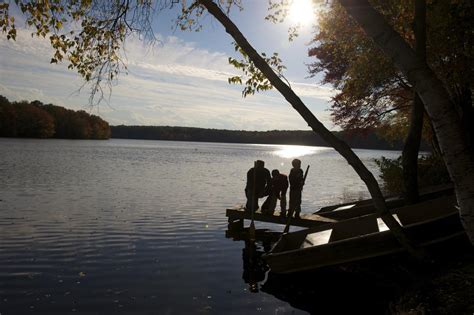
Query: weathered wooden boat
x=428, y=223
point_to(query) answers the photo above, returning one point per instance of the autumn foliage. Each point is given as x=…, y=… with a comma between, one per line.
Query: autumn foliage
x=38, y=120
x=372, y=91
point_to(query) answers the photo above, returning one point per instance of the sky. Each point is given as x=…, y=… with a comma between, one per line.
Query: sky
x=180, y=81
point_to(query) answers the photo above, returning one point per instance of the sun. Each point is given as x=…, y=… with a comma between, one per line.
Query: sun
x=301, y=12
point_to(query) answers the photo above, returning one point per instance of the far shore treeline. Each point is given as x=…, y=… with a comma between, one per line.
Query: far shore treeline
x=38, y=120
x=365, y=140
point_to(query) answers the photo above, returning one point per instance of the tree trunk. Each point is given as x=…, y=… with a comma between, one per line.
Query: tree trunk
x=413, y=139
x=455, y=149
x=464, y=100
x=410, y=152
x=339, y=145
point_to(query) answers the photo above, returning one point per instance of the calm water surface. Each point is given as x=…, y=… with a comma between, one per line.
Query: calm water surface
x=130, y=226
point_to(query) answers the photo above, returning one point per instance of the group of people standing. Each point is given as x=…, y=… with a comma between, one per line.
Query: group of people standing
x=260, y=184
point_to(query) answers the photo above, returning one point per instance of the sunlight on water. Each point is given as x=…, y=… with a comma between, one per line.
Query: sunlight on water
x=139, y=227
x=294, y=151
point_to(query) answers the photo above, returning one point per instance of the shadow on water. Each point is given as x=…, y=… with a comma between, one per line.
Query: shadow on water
x=340, y=289
x=328, y=291
x=367, y=287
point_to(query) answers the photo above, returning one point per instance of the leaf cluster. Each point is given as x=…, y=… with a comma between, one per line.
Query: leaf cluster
x=371, y=88
x=431, y=172
x=192, y=12
x=255, y=80
x=372, y=92
x=278, y=11
x=90, y=34
x=94, y=49
x=7, y=23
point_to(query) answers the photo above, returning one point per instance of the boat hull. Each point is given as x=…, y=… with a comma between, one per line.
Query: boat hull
x=285, y=259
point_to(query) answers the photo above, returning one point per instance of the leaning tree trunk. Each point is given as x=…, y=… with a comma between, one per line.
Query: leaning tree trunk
x=413, y=139
x=339, y=145
x=455, y=149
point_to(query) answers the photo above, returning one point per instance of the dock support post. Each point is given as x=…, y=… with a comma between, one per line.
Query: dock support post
x=235, y=225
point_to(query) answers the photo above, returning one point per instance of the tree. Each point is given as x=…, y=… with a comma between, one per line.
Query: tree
x=373, y=91
x=450, y=131
x=8, y=118
x=340, y=146
x=371, y=87
x=37, y=120
x=413, y=138
x=32, y=122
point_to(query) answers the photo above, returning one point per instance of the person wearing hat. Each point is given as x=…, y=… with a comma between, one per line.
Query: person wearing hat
x=262, y=184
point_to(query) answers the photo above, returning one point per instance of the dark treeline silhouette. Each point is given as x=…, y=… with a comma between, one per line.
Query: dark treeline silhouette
x=38, y=120
x=363, y=140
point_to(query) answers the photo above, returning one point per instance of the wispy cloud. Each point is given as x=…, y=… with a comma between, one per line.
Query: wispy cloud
x=174, y=83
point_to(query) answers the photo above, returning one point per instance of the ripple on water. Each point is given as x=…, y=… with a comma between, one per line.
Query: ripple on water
x=137, y=226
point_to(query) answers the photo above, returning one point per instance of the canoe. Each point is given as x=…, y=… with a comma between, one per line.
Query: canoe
x=428, y=223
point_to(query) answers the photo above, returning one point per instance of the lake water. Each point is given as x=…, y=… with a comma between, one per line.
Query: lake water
x=130, y=226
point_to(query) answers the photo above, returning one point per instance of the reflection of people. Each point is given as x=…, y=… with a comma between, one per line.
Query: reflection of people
x=279, y=186
x=296, y=186
x=262, y=184
x=254, y=266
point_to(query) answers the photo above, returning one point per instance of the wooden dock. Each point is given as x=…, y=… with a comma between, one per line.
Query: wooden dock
x=237, y=215
x=329, y=215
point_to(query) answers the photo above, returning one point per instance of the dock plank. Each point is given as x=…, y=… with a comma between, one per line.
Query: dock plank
x=306, y=220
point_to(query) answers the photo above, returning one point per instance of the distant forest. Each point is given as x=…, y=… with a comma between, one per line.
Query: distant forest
x=365, y=140
x=38, y=120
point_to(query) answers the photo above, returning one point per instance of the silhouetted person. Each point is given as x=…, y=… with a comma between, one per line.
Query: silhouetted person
x=254, y=267
x=278, y=188
x=296, y=186
x=262, y=185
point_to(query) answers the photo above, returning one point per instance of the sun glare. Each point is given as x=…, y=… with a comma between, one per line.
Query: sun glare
x=294, y=151
x=301, y=12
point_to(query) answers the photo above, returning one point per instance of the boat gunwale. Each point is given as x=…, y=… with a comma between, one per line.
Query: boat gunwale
x=426, y=194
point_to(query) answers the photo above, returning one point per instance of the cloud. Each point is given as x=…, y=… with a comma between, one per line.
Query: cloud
x=174, y=83
x=311, y=90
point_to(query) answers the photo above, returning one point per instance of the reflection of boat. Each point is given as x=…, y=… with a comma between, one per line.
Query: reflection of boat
x=321, y=292
x=428, y=223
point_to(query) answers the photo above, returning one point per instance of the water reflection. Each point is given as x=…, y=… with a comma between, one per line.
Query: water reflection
x=131, y=215
x=254, y=266
x=315, y=292
x=294, y=151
